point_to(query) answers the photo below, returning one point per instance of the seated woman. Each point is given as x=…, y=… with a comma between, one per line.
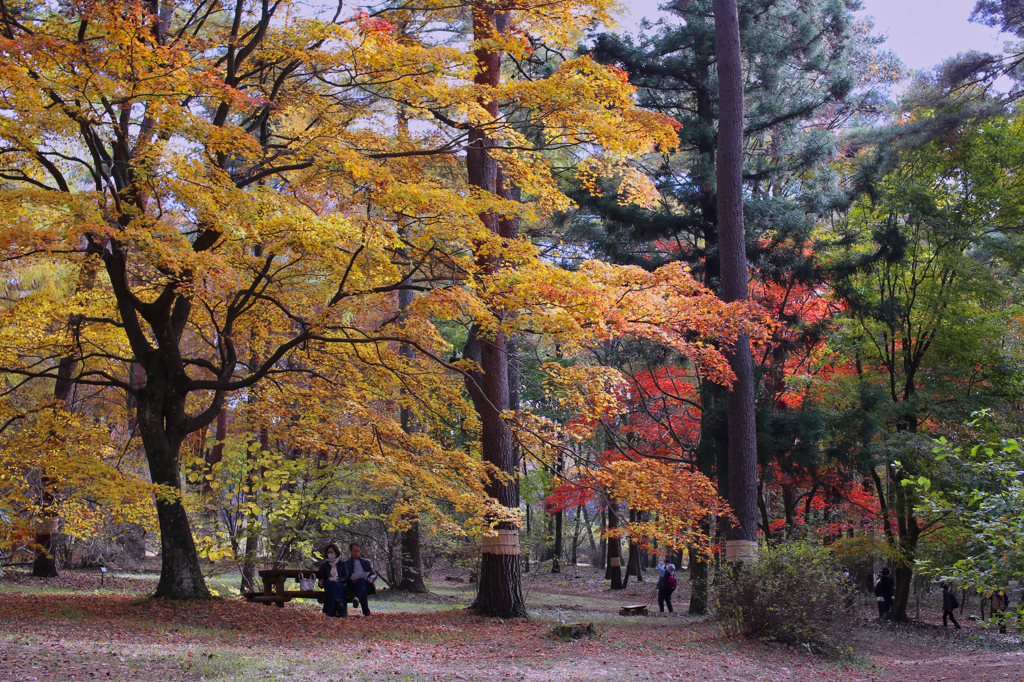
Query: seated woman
x=334, y=580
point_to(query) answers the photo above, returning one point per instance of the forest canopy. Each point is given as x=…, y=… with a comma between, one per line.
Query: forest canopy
x=278, y=274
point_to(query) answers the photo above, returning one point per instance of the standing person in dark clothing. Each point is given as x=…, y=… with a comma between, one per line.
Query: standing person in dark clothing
x=949, y=603
x=849, y=590
x=360, y=576
x=999, y=604
x=666, y=585
x=885, y=592
x=333, y=578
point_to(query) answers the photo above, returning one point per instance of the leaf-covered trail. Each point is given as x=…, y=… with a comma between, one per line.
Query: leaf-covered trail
x=117, y=635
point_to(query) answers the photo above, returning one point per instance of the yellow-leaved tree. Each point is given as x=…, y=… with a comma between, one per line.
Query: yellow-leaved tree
x=256, y=187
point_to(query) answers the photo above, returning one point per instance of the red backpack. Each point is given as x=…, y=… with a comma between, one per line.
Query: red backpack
x=671, y=583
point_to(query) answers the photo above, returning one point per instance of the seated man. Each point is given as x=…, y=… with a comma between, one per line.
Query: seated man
x=360, y=577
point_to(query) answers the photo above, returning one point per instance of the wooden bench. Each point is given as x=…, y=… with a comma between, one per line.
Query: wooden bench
x=274, y=591
x=633, y=610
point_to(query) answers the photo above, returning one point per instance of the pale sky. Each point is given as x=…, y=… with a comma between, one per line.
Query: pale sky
x=922, y=32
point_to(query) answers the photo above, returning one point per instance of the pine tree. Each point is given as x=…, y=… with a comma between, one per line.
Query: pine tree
x=805, y=65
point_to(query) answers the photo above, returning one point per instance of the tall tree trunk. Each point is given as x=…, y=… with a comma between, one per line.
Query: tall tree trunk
x=732, y=246
x=558, y=518
x=499, y=592
x=412, y=556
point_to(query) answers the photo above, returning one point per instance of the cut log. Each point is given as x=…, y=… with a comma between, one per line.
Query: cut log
x=568, y=631
x=633, y=610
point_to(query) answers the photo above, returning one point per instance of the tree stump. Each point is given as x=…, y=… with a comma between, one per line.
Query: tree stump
x=633, y=610
x=568, y=631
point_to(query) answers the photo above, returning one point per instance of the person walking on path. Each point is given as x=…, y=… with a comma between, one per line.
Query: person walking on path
x=360, y=577
x=949, y=603
x=333, y=578
x=885, y=592
x=666, y=585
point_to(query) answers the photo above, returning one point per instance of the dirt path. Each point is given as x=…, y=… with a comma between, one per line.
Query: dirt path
x=70, y=630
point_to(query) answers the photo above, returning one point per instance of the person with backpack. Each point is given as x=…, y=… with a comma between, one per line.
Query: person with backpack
x=885, y=592
x=360, y=577
x=666, y=586
x=949, y=602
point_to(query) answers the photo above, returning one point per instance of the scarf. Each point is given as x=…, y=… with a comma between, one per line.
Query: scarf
x=334, y=568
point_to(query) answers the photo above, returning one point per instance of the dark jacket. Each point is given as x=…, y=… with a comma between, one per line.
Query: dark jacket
x=947, y=600
x=663, y=581
x=367, y=566
x=885, y=587
x=324, y=571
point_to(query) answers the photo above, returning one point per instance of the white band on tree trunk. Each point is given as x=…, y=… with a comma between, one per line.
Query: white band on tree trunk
x=506, y=543
x=738, y=550
x=614, y=561
x=48, y=525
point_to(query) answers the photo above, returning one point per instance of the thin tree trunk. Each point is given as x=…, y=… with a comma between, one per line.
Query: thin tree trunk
x=590, y=535
x=525, y=552
x=556, y=549
x=698, y=584
x=633, y=562
x=910, y=533
x=917, y=595
x=766, y=523
x=557, y=519
x=576, y=538
x=412, y=556
x=732, y=246
x=216, y=453
x=249, y=558
x=44, y=564
x=633, y=558
x=614, y=570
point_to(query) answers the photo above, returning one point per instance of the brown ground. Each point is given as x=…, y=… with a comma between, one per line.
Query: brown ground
x=69, y=628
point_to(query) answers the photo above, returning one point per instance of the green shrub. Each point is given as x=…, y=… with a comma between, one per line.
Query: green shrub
x=789, y=593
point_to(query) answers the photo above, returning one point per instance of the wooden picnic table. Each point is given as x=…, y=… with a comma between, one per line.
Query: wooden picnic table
x=274, y=591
